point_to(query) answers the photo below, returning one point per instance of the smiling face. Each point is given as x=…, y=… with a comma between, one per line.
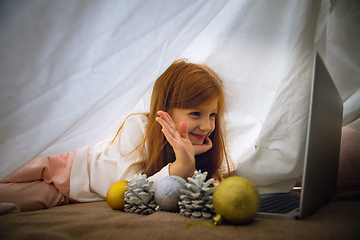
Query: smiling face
x=200, y=120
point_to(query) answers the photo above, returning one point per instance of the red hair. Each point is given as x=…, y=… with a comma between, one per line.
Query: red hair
x=185, y=85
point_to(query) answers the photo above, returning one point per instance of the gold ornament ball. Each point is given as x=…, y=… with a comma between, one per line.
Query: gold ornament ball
x=115, y=195
x=236, y=199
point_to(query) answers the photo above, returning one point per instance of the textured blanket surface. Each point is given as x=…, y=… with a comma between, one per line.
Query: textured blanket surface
x=340, y=219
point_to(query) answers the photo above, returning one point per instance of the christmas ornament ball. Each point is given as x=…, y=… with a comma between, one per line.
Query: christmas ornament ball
x=167, y=193
x=115, y=195
x=236, y=199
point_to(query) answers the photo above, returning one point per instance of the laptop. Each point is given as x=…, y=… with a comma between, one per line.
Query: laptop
x=321, y=163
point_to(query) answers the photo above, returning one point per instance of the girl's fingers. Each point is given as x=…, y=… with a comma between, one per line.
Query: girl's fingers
x=166, y=122
x=167, y=118
x=170, y=132
x=162, y=122
x=208, y=142
x=199, y=149
x=184, y=130
x=169, y=137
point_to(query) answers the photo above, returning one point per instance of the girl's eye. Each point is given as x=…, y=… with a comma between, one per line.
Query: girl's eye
x=213, y=115
x=197, y=114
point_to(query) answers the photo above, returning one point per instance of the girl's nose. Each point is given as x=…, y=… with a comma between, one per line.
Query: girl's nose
x=205, y=125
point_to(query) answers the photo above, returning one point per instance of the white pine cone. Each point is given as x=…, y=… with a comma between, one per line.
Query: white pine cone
x=197, y=200
x=138, y=197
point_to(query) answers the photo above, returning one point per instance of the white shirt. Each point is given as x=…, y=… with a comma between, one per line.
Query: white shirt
x=98, y=166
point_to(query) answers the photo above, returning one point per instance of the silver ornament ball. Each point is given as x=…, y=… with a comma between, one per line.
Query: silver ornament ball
x=167, y=193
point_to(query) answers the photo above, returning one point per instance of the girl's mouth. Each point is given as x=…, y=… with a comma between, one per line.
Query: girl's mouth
x=200, y=137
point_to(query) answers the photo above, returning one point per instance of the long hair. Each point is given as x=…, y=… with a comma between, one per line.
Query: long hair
x=185, y=85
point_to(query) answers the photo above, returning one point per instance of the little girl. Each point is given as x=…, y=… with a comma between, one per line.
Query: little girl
x=183, y=132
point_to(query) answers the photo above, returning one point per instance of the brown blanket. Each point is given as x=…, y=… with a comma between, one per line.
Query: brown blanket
x=340, y=219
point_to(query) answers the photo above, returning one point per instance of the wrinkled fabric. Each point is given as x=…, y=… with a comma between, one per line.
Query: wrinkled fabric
x=41, y=183
x=72, y=71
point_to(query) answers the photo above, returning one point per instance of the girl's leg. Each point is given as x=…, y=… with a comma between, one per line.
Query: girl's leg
x=34, y=195
x=41, y=183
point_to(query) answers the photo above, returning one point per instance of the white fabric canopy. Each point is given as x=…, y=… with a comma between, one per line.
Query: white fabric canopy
x=71, y=71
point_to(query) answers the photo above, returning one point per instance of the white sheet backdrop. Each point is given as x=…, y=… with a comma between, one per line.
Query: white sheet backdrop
x=71, y=71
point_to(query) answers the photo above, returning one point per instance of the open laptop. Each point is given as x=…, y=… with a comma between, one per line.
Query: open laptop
x=322, y=152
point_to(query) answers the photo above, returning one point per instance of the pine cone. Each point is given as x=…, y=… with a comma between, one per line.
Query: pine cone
x=138, y=197
x=196, y=200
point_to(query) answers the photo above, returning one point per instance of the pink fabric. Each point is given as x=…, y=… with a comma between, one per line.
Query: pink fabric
x=41, y=183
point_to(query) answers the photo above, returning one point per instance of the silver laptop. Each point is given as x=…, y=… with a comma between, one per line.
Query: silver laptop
x=322, y=152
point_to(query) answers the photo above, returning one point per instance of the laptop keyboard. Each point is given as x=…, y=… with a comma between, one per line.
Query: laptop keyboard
x=279, y=203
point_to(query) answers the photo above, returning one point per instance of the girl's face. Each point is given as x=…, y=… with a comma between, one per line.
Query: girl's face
x=200, y=120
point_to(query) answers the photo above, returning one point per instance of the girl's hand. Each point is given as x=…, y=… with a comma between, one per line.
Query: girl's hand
x=199, y=149
x=184, y=165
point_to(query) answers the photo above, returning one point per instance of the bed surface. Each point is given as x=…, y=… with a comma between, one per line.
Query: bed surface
x=340, y=219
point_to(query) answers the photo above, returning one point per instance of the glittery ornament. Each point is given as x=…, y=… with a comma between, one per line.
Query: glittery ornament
x=167, y=193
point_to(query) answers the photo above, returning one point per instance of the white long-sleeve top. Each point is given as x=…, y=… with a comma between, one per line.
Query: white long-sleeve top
x=98, y=166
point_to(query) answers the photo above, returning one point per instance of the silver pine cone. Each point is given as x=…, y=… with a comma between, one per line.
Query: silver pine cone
x=138, y=197
x=196, y=199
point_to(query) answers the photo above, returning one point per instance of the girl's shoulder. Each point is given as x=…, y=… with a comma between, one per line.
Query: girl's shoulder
x=132, y=133
x=134, y=128
x=136, y=120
